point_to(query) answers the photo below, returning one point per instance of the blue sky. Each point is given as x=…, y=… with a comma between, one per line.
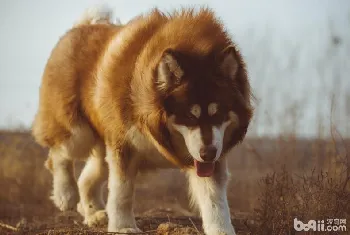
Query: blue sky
x=287, y=44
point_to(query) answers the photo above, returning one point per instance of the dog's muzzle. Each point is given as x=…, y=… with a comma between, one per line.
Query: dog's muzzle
x=208, y=153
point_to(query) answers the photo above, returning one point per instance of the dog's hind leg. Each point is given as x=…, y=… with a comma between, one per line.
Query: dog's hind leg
x=209, y=194
x=65, y=192
x=90, y=184
x=61, y=164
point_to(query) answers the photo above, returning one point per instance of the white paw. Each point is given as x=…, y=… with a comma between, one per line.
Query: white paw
x=216, y=230
x=65, y=198
x=129, y=230
x=80, y=209
x=97, y=219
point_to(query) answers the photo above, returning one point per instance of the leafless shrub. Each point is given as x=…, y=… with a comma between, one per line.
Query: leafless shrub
x=316, y=195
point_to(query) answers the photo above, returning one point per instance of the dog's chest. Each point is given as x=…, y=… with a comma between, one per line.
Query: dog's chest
x=147, y=150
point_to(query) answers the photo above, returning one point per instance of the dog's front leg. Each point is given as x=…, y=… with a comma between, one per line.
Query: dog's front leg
x=209, y=194
x=122, y=173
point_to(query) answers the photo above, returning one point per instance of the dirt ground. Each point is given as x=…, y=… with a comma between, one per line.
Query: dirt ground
x=161, y=207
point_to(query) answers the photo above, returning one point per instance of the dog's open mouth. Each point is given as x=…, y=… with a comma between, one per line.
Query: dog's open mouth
x=204, y=169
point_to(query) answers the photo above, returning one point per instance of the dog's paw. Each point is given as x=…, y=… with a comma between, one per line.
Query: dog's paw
x=213, y=230
x=97, y=219
x=65, y=198
x=129, y=230
x=113, y=229
x=80, y=209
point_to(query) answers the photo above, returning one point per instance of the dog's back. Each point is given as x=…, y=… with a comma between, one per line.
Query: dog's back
x=68, y=73
x=73, y=92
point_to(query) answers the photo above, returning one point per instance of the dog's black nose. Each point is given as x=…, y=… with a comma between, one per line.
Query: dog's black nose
x=208, y=153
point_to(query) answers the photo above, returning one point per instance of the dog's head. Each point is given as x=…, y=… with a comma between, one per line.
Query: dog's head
x=207, y=103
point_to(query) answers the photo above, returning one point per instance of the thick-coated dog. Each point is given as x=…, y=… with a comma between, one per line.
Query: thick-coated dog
x=162, y=91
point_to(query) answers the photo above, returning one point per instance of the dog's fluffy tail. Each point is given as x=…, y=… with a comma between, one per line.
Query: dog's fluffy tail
x=101, y=14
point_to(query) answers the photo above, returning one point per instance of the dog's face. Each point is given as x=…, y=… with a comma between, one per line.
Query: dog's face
x=203, y=103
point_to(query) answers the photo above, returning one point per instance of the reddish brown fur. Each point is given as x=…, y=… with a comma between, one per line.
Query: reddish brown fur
x=87, y=80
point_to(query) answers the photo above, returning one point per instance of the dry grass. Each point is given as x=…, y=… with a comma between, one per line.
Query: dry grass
x=314, y=196
x=318, y=190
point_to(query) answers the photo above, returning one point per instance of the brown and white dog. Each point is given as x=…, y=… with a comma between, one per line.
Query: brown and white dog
x=162, y=91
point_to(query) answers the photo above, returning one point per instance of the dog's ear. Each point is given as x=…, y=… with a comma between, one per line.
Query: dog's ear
x=169, y=72
x=229, y=63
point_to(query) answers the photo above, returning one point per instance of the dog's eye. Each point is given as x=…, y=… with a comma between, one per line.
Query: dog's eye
x=191, y=116
x=191, y=119
x=213, y=115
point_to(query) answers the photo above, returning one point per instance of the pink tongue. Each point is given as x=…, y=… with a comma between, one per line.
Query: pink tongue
x=204, y=169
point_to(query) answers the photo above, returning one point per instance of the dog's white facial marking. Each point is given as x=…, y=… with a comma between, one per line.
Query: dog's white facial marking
x=212, y=109
x=218, y=137
x=233, y=118
x=196, y=110
x=219, y=132
x=193, y=140
x=193, y=136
